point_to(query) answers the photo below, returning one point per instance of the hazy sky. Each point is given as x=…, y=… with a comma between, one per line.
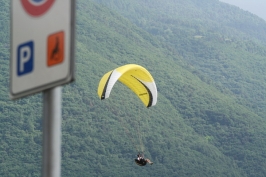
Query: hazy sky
x=257, y=7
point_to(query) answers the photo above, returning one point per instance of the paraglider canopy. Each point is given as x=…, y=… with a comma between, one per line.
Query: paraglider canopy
x=135, y=77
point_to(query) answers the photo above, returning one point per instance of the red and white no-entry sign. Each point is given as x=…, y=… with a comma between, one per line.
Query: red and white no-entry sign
x=37, y=7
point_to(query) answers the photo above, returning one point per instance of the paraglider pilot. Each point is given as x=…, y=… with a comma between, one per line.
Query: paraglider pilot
x=141, y=161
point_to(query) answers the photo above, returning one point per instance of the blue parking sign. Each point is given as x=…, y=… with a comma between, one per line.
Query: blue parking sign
x=25, y=58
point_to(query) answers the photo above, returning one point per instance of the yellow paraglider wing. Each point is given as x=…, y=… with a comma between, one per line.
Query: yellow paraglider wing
x=135, y=77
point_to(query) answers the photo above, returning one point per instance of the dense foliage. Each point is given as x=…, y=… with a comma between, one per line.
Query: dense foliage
x=209, y=120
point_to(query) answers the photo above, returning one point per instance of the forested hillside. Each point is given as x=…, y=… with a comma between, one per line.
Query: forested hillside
x=207, y=121
x=220, y=41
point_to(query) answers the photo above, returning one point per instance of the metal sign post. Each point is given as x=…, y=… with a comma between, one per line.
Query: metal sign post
x=52, y=132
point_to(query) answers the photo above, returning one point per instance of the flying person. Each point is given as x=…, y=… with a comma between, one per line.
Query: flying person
x=141, y=161
x=137, y=79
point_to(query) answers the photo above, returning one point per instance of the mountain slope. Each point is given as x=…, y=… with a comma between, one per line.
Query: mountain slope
x=217, y=58
x=121, y=50
x=222, y=42
x=196, y=129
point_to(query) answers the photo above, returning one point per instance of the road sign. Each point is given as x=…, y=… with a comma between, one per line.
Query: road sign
x=42, y=45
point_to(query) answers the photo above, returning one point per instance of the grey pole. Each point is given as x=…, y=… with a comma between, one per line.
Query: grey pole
x=52, y=132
